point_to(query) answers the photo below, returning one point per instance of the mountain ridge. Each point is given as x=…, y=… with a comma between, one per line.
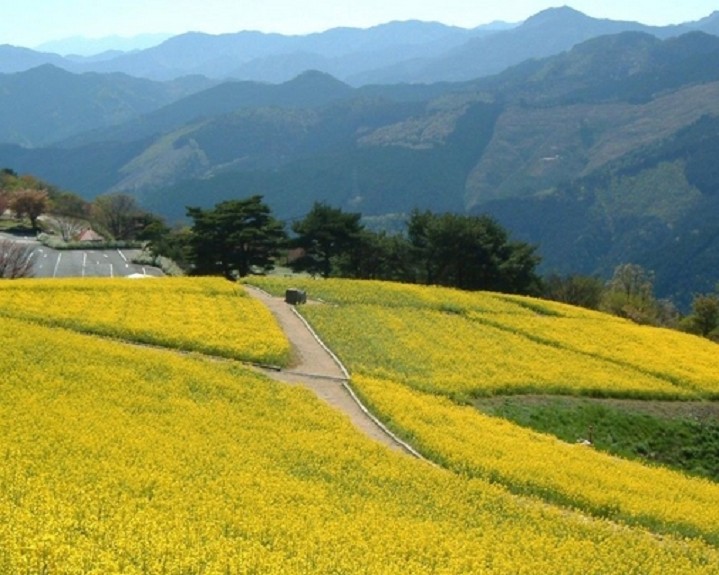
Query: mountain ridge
x=46, y=104
x=411, y=51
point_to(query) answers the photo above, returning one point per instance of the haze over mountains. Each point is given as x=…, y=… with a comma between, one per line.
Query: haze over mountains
x=79, y=47
x=409, y=51
x=593, y=138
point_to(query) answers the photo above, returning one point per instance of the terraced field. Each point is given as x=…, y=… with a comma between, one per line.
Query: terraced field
x=119, y=458
x=419, y=355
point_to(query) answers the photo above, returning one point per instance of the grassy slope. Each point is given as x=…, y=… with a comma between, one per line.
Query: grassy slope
x=682, y=436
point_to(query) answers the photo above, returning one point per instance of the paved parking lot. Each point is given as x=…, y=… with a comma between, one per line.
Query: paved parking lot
x=50, y=263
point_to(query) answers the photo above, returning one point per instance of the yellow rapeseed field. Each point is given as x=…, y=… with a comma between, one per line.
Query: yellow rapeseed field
x=465, y=344
x=123, y=459
x=417, y=361
x=119, y=458
x=687, y=361
x=478, y=445
x=461, y=357
x=209, y=315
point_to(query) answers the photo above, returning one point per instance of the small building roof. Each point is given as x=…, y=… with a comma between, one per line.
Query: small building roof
x=90, y=235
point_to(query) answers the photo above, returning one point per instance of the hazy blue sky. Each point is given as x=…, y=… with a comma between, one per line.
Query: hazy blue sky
x=31, y=22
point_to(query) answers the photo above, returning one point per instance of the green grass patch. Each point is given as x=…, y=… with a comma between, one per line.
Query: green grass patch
x=16, y=228
x=680, y=435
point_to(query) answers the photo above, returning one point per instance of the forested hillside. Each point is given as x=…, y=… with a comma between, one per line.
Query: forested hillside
x=600, y=155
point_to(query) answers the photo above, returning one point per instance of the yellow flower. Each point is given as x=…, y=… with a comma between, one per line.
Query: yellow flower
x=124, y=459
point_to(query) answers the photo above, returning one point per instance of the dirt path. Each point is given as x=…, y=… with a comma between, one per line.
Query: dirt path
x=315, y=368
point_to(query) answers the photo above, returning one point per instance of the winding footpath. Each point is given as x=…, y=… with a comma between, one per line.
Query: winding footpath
x=316, y=368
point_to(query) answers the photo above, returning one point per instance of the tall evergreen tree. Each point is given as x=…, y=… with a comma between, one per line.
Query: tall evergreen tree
x=470, y=252
x=234, y=237
x=323, y=234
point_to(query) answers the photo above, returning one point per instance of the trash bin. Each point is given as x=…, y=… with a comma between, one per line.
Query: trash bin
x=295, y=296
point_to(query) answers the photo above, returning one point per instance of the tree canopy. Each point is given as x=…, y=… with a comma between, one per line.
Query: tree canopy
x=704, y=317
x=30, y=203
x=466, y=252
x=471, y=252
x=323, y=234
x=234, y=237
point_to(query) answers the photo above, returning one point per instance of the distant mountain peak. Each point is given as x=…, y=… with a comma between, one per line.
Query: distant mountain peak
x=47, y=70
x=713, y=17
x=315, y=77
x=313, y=84
x=561, y=13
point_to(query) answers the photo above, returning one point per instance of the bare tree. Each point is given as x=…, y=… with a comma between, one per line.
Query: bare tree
x=15, y=260
x=117, y=213
x=69, y=227
x=630, y=294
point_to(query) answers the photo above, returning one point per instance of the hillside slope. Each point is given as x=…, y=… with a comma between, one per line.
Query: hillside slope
x=138, y=460
x=419, y=355
x=142, y=460
x=47, y=104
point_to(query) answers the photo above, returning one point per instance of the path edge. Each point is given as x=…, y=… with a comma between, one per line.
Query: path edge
x=346, y=384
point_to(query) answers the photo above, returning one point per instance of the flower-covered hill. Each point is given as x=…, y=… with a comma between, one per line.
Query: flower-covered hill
x=418, y=356
x=119, y=458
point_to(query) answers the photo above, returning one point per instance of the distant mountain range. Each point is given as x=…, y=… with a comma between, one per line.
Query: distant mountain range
x=409, y=51
x=265, y=57
x=601, y=154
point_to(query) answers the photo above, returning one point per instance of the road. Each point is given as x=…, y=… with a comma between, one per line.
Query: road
x=50, y=263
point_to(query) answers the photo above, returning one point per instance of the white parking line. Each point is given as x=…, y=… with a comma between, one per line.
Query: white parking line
x=122, y=256
x=57, y=264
